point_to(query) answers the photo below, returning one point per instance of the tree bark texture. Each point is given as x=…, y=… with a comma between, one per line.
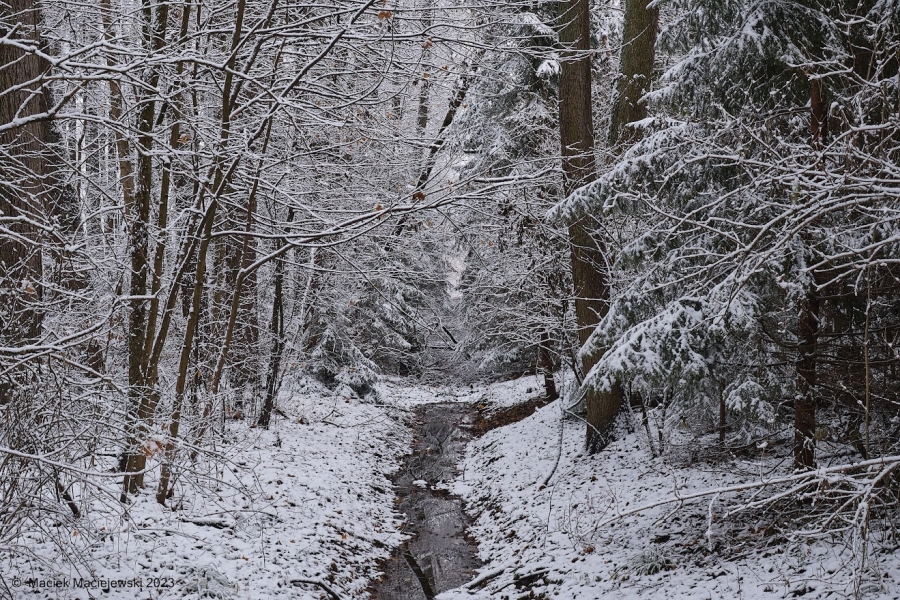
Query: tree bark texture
x=546, y=367
x=24, y=188
x=276, y=329
x=804, y=402
x=808, y=319
x=591, y=288
x=635, y=71
x=141, y=398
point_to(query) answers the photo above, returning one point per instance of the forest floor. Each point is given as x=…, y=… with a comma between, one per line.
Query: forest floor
x=546, y=522
x=306, y=510
x=289, y=512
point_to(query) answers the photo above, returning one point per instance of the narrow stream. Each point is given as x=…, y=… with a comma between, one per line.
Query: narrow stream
x=439, y=556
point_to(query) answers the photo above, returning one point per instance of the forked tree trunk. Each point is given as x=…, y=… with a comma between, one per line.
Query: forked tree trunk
x=589, y=267
x=141, y=399
x=636, y=69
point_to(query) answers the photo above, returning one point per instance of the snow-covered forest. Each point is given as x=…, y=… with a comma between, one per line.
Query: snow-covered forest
x=402, y=299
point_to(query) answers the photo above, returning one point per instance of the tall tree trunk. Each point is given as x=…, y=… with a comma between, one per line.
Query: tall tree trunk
x=804, y=402
x=636, y=68
x=545, y=367
x=588, y=258
x=162, y=490
x=127, y=181
x=635, y=71
x=140, y=387
x=579, y=168
x=276, y=328
x=23, y=183
x=808, y=319
x=165, y=187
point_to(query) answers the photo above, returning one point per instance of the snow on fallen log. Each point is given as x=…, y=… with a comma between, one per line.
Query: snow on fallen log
x=321, y=584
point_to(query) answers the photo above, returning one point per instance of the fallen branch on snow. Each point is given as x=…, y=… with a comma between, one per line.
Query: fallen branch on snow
x=207, y=523
x=327, y=588
x=800, y=481
x=417, y=571
x=482, y=579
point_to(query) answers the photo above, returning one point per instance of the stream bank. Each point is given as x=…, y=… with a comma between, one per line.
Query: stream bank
x=438, y=556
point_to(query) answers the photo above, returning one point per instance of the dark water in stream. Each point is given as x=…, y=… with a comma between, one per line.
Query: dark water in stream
x=438, y=557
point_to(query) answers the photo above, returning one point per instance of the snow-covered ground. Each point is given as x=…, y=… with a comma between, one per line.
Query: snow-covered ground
x=544, y=536
x=308, y=499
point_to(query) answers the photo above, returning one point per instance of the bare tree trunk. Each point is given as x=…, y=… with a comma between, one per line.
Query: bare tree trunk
x=545, y=366
x=635, y=70
x=808, y=321
x=804, y=402
x=588, y=258
x=23, y=185
x=140, y=387
x=162, y=491
x=276, y=328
